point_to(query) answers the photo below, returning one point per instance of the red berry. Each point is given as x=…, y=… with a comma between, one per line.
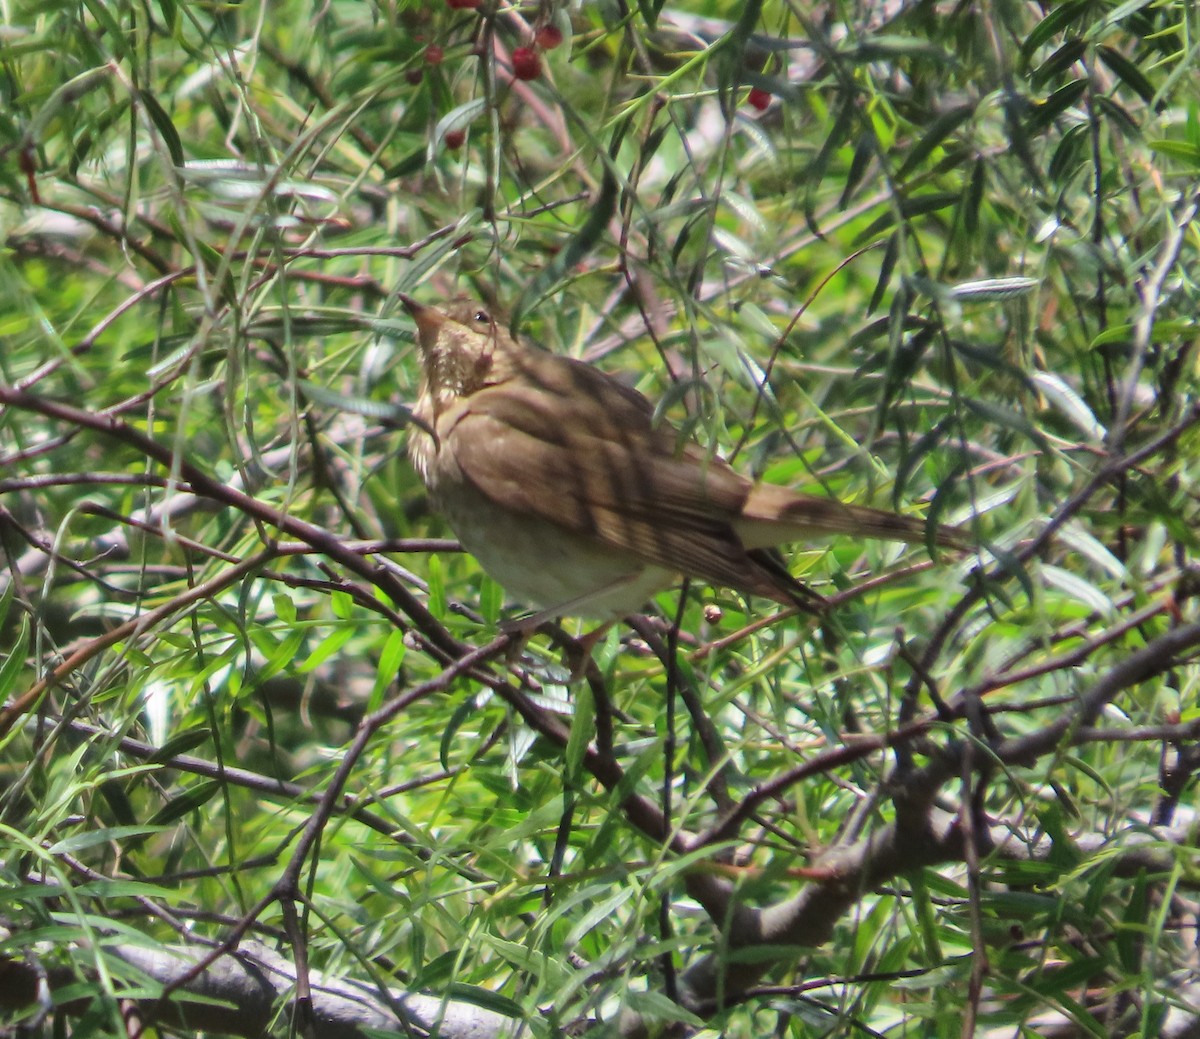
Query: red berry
x=434, y=54
x=526, y=63
x=548, y=37
x=759, y=98
x=454, y=139
x=414, y=76
x=462, y=5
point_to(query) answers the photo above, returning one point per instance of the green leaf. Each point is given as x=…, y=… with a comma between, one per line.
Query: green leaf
x=598, y=913
x=1079, y=588
x=913, y=206
x=992, y=289
x=658, y=1007
x=78, y=842
x=13, y=662
x=891, y=48
x=119, y=887
x=1164, y=331
x=457, y=119
x=437, y=588
x=973, y=196
x=6, y=600
x=1007, y=418
x=864, y=152
x=285, y=607
x=170, y=16
x=1047, y=111
x=190, y=800
x=326, y=648
x=119, y=805
x=469, y=708
x=1183, y=151
x=1127, y=72
x=583, y=728
x=887, y=267
x=1118, y=118
x=182, y=742
x=1058, y=62
x=911, y=459
x=1118, y=14
x=166, y=128
x=414, y=162
x=940, y=129
x=1070, y=157
x=282, y=656
x=1069, y=404
x=486, y=998
x=1058, y=18
x=815, y=174
x=388, y=669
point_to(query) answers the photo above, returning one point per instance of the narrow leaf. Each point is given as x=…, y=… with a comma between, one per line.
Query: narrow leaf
x=941, y=128
x=1127, y=72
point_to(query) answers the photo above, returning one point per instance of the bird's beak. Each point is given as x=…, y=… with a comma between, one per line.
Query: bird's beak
x=428, y=319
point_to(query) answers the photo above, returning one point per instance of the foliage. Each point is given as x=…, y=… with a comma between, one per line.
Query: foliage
x=931, y=257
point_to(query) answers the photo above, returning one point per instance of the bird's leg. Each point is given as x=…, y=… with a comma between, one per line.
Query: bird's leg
x=519, y=632
x=579, y=656
x=578, y=651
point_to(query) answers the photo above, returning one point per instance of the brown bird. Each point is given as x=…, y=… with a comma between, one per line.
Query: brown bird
x=558, y=479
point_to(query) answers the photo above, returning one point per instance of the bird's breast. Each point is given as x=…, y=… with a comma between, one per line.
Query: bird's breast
x=537, y=562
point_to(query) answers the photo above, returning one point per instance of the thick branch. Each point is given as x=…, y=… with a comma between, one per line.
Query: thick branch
x=242, y=995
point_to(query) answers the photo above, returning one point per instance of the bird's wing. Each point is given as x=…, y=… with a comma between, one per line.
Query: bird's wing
x=608, y=474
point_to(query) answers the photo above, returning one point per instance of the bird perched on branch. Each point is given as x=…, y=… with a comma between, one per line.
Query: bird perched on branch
x=558, y=479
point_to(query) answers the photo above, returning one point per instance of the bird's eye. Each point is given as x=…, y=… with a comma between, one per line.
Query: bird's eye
x=483, y=317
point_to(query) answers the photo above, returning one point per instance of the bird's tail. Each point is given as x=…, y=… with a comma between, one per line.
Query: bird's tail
x=776, y=516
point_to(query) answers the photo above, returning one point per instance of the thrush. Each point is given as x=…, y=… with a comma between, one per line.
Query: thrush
x=561, y=482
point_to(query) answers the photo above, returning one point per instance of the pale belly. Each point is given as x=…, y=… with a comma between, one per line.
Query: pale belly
x=540, y=564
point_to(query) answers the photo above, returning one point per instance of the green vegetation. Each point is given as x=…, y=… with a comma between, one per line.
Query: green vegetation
x=942, y=259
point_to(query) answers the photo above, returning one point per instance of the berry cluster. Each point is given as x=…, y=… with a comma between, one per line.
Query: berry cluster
x=526, y=60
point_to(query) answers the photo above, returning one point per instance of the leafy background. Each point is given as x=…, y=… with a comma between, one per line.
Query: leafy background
x=941, y=258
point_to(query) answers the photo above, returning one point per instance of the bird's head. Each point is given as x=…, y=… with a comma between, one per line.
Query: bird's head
x=463, y=348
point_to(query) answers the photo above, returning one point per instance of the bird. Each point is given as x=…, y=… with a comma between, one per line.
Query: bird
x=579, y=501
